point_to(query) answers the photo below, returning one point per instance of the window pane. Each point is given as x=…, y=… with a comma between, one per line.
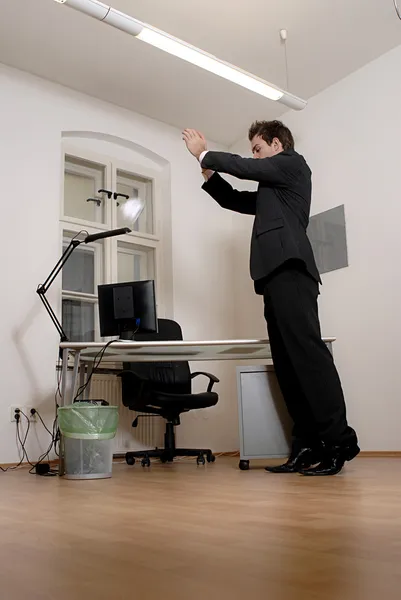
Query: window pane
x=134, y=187
x=134, y=262
x=82, y=180
x=79, y=271
x=78, y=320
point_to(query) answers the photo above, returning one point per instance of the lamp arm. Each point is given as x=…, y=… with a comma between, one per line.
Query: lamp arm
x=43, y=287
x=52, y=315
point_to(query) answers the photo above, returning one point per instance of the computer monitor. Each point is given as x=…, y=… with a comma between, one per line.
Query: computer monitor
x=127, y=308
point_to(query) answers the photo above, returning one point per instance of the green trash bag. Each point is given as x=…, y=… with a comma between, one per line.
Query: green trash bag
x=85, y=421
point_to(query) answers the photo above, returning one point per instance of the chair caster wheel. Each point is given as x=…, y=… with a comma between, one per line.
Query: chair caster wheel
x=163, y=459
x=210, y=458
x=244, y=465
x=130, y=460
x=200, y=460
x=145, y=462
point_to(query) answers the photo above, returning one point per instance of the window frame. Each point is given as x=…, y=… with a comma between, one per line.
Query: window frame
x=109, y=246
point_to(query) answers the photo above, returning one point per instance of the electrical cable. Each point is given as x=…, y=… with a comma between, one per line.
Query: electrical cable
x=96, y=362
x=23, y=442
x=56, y=431
x=397, y=10
x=100, y=354
x=42, y=457
x=51, y=433
x=54, y=434
x=17, y=438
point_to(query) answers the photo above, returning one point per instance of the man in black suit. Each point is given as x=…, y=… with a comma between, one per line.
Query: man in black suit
x=283, y=268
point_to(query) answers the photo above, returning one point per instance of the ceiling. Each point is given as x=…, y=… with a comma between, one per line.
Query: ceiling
x=327, y=40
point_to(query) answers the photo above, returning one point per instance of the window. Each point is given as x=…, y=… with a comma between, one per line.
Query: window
x=131, y=257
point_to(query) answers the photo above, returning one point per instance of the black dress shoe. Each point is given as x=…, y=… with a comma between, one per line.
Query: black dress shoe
x=302, y=459
x=333, y=462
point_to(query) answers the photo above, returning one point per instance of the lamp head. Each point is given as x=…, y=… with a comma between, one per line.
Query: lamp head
x=132, y=209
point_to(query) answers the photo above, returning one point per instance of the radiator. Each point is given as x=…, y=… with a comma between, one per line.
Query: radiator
x=150, y=430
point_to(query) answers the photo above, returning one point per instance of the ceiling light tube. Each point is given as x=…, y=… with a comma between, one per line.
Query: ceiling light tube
x=124, y=22
x=185, y=51
x=93, y=8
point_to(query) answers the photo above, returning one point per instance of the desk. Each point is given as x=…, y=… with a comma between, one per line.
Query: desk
x=84, y=354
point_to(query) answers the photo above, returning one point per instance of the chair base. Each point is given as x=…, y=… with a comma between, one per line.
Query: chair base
x=168, y=455
x=169, y=452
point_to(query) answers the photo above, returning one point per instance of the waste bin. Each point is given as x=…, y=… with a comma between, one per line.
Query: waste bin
x=88, y=431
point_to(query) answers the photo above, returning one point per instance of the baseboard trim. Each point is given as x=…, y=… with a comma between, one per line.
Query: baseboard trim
x=52, y=463
x=235, y=454
x=362, y=454
x=380, y=454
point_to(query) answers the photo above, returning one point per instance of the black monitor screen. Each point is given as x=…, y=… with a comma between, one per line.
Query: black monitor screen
x=127, y=308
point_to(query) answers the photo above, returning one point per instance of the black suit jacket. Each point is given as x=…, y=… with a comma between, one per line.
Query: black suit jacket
x=281, y=206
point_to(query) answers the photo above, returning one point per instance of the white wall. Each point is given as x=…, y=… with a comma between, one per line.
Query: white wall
x=33, y=116
x=351, y=136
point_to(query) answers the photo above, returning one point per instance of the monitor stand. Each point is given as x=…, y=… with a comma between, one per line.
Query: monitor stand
x=127, y=337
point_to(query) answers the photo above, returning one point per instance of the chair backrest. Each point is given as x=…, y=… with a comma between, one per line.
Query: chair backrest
x=168, y=377
x=168, y=330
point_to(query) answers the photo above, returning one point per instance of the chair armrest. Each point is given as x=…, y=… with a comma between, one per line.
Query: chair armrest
x=212, y=378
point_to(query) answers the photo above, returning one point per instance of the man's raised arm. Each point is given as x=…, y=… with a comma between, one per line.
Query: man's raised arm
x=264, y=170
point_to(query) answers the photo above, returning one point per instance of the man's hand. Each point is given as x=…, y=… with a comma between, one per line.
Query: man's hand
x=194, y=141
x=207, y=173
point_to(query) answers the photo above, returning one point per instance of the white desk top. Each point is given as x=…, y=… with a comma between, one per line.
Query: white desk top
x=175, y=350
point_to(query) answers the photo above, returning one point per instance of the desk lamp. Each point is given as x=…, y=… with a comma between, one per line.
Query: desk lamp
x=131, y=210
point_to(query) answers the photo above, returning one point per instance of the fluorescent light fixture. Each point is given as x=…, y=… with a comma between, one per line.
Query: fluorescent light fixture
x=208, y=62
x=93, y=8
x=185, y=51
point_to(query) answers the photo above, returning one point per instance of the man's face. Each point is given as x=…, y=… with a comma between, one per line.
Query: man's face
x=261, y=149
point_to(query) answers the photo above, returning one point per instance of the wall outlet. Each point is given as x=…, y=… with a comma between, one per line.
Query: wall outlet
x=26, y=410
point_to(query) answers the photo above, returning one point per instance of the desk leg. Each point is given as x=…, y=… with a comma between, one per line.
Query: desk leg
x=85, y=371
x=63, y=402
x=64, y=371
x=65, y=397
x=75, y=370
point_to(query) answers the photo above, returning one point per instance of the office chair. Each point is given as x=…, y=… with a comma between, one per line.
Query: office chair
x=164, y=389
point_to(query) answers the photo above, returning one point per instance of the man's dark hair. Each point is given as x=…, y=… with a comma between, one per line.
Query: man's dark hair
x=268, y=130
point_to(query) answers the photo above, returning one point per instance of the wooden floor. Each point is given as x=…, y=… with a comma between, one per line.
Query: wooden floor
x=184, y=532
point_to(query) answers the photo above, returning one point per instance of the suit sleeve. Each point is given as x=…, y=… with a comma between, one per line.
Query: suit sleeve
x=275, y=170
x=225, y=195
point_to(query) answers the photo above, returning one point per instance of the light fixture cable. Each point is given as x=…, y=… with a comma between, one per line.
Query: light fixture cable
x=283, y=37
x=397, y=10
